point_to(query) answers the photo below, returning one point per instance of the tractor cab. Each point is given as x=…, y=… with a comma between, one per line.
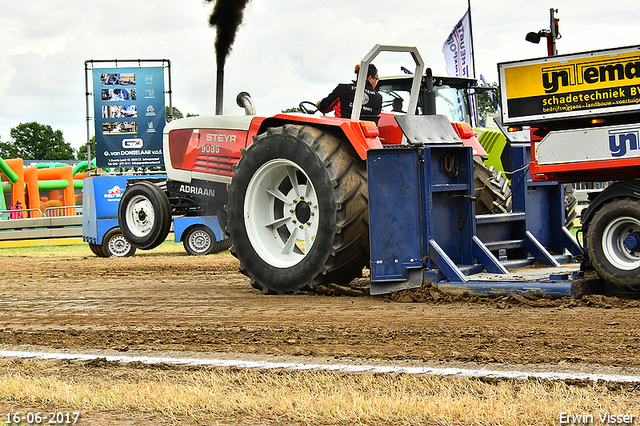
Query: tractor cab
x=451, y=96
x=451, y=99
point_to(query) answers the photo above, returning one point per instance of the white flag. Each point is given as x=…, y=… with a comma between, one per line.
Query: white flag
x=457, y=49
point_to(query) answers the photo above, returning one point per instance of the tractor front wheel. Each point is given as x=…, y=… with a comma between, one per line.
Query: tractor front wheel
x=144, y=215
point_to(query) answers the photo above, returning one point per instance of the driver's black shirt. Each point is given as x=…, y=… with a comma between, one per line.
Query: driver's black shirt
x=341, y=101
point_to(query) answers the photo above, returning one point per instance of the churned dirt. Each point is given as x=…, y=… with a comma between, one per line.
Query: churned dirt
x=175, y=302
x=203, y=304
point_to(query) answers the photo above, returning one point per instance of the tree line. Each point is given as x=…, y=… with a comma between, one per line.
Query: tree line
x=35, y=141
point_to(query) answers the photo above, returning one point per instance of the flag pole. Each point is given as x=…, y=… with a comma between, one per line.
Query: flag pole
x=473, y=49
x=474, y=100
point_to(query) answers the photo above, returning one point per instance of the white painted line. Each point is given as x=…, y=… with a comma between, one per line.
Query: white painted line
x=436, y=371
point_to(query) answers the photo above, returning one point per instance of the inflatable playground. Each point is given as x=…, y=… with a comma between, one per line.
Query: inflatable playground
x=42, y=189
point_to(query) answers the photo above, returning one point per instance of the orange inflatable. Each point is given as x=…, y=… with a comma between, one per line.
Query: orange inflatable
x=58, y=181
x=17, y=188
x=61, y=173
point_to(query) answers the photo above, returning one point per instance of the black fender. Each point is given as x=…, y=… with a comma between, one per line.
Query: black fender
x=623, y=189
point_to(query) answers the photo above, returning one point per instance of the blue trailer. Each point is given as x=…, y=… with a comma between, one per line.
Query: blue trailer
x=200, y=234
x=101, y=199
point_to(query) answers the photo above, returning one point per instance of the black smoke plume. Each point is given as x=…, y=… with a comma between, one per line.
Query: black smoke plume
x=226, y=17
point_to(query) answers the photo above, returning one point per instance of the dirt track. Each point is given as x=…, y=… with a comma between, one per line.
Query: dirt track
x=175, y=302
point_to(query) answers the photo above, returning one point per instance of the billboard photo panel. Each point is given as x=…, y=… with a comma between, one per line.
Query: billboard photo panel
x=129, y=115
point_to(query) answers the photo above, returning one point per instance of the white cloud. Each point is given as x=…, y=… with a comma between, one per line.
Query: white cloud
x=285, y=52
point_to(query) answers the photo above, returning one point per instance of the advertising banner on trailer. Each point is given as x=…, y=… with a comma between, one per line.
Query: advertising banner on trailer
x=569, y=86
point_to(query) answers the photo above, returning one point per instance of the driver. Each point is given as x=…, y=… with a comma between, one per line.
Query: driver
x=341, y=99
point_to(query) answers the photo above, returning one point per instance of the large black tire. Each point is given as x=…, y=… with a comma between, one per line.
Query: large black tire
x=96, y=249
x=114, y=244
x=144, y=215
x=199, y=240
x=492, y=191
x=298, y=210
x=222, y=245
x=615, y=262
x=570, y=206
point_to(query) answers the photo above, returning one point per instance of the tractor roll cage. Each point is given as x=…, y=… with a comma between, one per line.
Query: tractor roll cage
x=362, y=76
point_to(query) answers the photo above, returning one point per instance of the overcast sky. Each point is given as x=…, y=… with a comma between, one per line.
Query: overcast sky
x=286, y=51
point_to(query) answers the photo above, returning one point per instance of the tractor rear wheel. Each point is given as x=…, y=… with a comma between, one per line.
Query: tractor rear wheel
x=144, y=215
x=570, y=206
x=298, y=210
x=492, y=191
x=613, y=243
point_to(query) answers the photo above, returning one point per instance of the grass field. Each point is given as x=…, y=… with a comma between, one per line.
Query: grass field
x=168, y=247
x=309, y=398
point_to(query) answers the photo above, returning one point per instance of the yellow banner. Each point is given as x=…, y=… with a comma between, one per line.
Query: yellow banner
x=565, y=76
x=568, y=86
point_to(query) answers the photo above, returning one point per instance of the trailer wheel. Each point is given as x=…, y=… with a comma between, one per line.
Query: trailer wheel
x=199, y=240
x=116, y=245
x=96, y=249
x=144, y=215
x=492, y=191
x=298, y=210
x=613, y=243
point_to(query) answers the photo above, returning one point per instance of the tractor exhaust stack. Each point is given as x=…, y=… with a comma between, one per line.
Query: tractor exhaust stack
x=219, y=91
x=244, y=101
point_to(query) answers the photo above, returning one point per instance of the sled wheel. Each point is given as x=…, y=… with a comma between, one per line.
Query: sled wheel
x=199, y=240
x=492, y=191
x=144, y=215
x=613, y=243
x=114, y=244
x=298, y=210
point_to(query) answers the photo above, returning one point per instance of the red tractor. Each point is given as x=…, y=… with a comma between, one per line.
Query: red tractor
x=290, y=190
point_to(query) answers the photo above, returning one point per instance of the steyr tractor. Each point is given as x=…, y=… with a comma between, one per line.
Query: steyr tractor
x=291, y=189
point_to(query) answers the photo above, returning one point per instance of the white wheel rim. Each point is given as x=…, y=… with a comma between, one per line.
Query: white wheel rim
x=119, y=246
x=199, y=241
x=613, y=243
x=281, y=213
x=140, y=216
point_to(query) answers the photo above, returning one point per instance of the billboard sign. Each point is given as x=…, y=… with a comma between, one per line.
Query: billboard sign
x=129, y=113
x=568, y=86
